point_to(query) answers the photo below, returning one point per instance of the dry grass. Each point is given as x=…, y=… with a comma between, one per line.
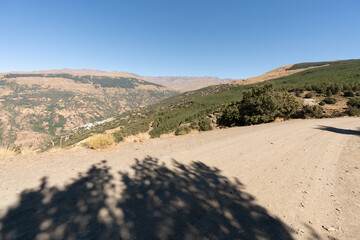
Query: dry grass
x=100, y=141
x=6, y=152
x=278, y=119
x=28, y=151
x=137, y=138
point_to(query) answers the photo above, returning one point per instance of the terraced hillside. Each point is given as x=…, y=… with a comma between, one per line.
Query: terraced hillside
x=198, y=109
x=35, y=107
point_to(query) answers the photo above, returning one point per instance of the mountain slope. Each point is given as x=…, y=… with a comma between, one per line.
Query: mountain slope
x=196, y=109
x=279, y=72
x=37, y=106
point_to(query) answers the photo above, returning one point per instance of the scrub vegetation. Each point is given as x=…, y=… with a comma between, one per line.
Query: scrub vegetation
x=35, y=107
x=236, y=105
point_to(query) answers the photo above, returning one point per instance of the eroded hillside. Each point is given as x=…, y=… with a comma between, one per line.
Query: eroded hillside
x=34, y=107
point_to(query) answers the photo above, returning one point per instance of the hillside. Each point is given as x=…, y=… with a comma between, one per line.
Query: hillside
x=199, y=109
x=279, y=72
x=36, y=106
x=291, y=180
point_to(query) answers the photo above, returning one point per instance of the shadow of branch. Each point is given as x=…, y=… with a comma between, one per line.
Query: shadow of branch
x=339, y=130
x=156, y=202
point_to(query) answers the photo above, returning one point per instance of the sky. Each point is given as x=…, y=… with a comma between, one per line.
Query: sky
x=218, y=38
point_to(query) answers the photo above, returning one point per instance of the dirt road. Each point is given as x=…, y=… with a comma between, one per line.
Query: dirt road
x=298, y=179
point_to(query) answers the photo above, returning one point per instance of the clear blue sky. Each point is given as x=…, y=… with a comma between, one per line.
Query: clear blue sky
x=224, y=38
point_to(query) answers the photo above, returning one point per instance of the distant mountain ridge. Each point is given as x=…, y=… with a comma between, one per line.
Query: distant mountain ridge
x=184, y=83
x=180, y=83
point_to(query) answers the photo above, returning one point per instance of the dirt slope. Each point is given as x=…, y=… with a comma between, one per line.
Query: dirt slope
x=294, y=180
x=276, y=73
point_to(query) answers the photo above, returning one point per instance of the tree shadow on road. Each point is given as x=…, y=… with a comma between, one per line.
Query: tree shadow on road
x=154, y=201
x=339, y=130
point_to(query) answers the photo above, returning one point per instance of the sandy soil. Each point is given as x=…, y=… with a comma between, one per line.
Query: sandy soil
x=297, y=179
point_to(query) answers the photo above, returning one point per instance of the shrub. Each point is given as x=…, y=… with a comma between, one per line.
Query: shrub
x=337, y=113
x=354, y=102
x=329, y=92
x=100, y=141
x=330, y=100
x=322, y=103
x=310, y=112
x=182, y=130
x=353, y=111
x=309, y=95
x=260, y=104
x=349, y=94
x=230, y=115
x=118, y=136
x=205, y=125
x=201, y=125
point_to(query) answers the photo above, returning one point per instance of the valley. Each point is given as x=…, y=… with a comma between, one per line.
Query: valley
x=35, y=107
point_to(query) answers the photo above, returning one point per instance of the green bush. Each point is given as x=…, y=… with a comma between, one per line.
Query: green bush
x=309, y=95
x=205, y=125
x=260, y=104
x=349, y=94
x=322, y=103
x=330, y=100
x=118, y=136
x=230, y=115
x=201, y=125
x=182, y=130
x=354, y=102
x=329, y=92
x=310, y=112
x=337, y=113
x=353, y=111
